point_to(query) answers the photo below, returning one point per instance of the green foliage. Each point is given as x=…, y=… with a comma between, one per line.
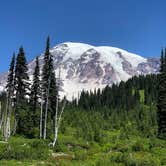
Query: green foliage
x=161, y=103
x=10, y=79
x=135, y=150
x=35, y=95
x=142, y=96
x=33, y=150
x=140, y=145
x=80, y=154
x=21, y=77
x=25, y=121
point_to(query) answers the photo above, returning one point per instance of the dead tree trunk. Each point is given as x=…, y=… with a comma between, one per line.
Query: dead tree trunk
x=5, y=118
x=57, y=125
x=58, y=113
x=41, y=119
x=46, y=111
x=8, y=130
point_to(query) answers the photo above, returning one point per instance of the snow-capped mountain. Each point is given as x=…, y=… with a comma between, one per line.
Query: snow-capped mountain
x=88, y=67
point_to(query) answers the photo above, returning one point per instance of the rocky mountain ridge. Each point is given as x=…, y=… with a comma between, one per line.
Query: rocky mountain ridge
x=88, y=67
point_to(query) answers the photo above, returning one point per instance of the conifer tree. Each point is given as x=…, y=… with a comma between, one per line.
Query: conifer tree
x=53, y=89
x=136, y=96
x=10, y=79
x=45, y=70
x=21, y=88
x=48, y=86
x=162, y=97
x=35, y=92
x=21, y=77
x=35, y=89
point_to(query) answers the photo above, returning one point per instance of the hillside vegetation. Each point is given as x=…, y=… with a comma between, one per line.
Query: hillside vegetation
x=88, y=138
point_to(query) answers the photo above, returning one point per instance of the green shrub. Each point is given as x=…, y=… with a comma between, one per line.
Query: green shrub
x=140, y=159
x=153, y=142
x=160, y=153
x=60, y=147
x=80, y=154
x=122, y=147
x=107, y=163
x=33, y=151
x=116, y=157
x=139, y=146
x=5, y=151
x=38, y=144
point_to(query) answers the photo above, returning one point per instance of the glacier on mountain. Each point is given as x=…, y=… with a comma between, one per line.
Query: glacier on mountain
x=88, y=67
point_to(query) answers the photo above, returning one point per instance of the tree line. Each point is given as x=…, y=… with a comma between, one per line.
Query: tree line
x=125, y=95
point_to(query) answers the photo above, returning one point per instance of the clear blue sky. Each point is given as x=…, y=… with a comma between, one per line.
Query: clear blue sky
x=138, y=26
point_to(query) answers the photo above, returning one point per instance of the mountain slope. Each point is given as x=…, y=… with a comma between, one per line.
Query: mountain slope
x=88, y=67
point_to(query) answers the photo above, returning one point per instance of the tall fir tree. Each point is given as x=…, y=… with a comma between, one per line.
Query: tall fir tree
x=21, y=89
x=53, y=89
x=162, y=97
x=10, y=79
x=35, y=88
x=35, y=94
x=45, y=70
x=48, y=87
x=21, y=77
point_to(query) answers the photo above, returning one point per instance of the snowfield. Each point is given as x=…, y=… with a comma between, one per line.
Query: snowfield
x=87, y=67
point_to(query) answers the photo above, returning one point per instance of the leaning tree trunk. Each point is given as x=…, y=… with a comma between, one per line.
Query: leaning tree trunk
x=60, y=112
x=56, y=118
x=57, y=125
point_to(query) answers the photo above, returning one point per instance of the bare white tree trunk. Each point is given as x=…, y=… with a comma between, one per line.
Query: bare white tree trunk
x=1, y=116
x=7, y=129
x=58, y=111
x=6, y=117
x=41, y=119
x=57, y=125
x=46, y=111
x=8, y=132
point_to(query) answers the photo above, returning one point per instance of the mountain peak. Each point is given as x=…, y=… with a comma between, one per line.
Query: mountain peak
x=89, y=67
